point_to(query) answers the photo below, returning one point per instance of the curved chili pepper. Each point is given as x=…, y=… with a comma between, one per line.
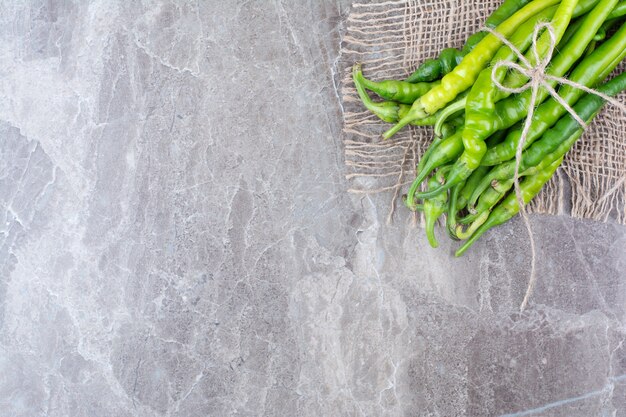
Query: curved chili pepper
x=487, y=200
x=586, y=108
x=480, y=107
x=509, y=207
x=387, y=111
x=452, y=211
x=400, y=91
x=448, y=150
x=618, y=11
x=432, y=69
x=588, y=72
x=434, y=208
x=571, y=51
x=471, y=183
x=464, y=75
x=458, y=197
x=445, y=131
x=591, y=69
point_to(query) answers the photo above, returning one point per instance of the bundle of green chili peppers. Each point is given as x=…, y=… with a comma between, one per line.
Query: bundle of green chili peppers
x=468, y=171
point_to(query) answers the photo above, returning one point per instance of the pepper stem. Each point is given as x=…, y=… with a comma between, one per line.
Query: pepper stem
x=437, y=191
x=447, y=112
x=469, y=218
x=480, y=219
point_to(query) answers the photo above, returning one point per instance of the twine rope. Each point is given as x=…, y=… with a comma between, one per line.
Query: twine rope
x=538, y=77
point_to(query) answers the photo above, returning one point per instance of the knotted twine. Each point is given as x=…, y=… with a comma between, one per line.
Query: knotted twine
x=538, y=77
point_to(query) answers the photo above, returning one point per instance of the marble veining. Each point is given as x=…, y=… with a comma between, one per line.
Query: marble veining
x=177, y=239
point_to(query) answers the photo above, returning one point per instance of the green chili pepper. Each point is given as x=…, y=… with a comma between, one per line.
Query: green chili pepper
x=569, y=52
x=464, y=75
x=434, y=208
x=487, y=200
x=448, y=150
x=445, y=131
x=478, y=220
x=509, y=207
x=618, y=11
x=480, y=107
x=449, y=58
x=452, y=211
x=433, y=69
x=586, y=108
x=471, y=183
x=591, y=69
x=388, y=111
x=400, y=91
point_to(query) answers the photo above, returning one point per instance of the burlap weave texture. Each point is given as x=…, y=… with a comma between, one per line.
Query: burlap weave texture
x=391, y=38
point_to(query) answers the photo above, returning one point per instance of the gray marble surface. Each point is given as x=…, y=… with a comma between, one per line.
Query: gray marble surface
x=177, y=239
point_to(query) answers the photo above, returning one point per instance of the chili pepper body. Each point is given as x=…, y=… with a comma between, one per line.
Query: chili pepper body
x=387, y=111
x=449, y=58
x=591, y=69
x=445, y=131
x=400, y=91
x=618, y=11
x=435, y=68
x=586, y=108
x=451, y=222
x=509, y=207
x=433, y=209
x=481, y=106
x=471, y=183
x=594, y=67
x=464, y=75
x=445, y=152
x=487, y=200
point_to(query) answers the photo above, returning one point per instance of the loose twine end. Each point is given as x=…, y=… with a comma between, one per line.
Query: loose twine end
x=538, y=77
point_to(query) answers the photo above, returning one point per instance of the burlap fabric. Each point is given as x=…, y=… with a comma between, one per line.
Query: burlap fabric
x=390, y=38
